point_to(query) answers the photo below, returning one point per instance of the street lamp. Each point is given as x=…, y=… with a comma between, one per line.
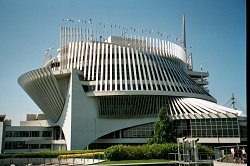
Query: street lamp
x=196, y=150
x=178, y=143
x=183, y=147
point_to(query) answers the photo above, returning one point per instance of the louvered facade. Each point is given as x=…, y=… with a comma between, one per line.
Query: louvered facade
x=97, y=89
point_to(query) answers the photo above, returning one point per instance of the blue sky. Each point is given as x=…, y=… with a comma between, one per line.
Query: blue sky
x=215, y=29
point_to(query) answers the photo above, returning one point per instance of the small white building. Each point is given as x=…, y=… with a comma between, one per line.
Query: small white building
x=34, y=134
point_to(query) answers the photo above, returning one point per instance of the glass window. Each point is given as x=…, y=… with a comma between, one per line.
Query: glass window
x=204, y=132
x=224, y=119
x=198, y=133
x=229, y=124
x=34, y=133
x=194, y=133
x=46, y=134
x=24, y=133
x=235, y=125
x=207, y=121
x=219, y=132
x=198, y=121
x=8, y=134
x=213, y=122
x=225, y=134
x=236, y=133
x=209, y=133
x=45, y=146
x=33, y=146
x=230, y=133
x=218, y=122
x=8, y=145
x=203, y=122
x=143, y=131
x=214, y=132
x=224, y=123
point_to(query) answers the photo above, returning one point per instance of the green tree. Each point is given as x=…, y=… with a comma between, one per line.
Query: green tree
x=163, y=129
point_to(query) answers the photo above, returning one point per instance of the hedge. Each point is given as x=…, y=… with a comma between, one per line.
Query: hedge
x=47, y=154
x=154, y=151
x=82, y=155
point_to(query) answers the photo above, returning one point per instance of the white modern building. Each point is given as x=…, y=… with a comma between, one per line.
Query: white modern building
x=108, y=82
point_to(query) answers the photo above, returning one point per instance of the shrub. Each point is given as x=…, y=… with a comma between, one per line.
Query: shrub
x=154, y=151
x=204, y=149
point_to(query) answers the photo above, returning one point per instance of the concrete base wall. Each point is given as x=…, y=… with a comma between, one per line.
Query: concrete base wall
x=217, y=163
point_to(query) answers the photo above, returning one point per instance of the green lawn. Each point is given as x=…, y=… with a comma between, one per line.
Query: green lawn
x=134, y=161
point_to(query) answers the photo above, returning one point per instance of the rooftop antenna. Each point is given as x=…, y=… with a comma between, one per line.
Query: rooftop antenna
x=201, y=77
x=183, y=33
x=91, y=33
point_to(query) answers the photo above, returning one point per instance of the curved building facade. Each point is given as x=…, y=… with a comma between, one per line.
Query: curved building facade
x=108, y=89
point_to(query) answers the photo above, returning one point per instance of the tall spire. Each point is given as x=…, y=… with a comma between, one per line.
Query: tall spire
x=183, y=33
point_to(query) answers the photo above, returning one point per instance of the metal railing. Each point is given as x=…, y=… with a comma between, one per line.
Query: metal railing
x=189, y=157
